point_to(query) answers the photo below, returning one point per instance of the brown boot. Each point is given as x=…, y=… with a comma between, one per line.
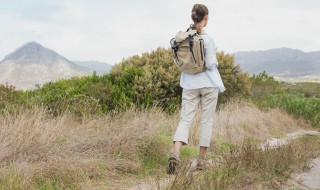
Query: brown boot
x=202, y=163
x=173, y=163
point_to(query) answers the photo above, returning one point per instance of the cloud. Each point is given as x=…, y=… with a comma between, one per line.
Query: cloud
x=32, y=10
x=108, y=30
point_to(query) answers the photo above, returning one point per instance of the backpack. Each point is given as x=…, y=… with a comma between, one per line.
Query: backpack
x=188, y=51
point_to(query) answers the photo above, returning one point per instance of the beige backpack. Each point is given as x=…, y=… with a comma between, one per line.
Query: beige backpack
x=188, y=51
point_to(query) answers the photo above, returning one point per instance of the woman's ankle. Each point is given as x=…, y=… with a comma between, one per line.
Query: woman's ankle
x=175, y=154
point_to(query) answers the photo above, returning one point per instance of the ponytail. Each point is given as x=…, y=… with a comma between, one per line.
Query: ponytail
x=199, y=11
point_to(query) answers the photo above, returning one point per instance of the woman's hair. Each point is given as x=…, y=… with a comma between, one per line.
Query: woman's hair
x=199, y=11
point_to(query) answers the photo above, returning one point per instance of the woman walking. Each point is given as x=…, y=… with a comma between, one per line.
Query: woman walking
x=198, y=89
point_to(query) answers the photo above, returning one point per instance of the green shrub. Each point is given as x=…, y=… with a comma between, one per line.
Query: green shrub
x=296, y=104
x=85, y=95
x=237, y=82
x=79, y=104
x=309, y=89
x=151, y=79
x=262, y=86
x=9, y=97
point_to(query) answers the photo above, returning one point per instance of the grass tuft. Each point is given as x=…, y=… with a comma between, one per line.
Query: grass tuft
x=249, y=167
x=42, y=151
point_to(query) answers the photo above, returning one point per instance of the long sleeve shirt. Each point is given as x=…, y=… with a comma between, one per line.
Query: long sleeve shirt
x=209, y=78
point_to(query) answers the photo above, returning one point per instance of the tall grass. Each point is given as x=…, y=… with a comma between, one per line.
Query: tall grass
x=42, y=151
x=249, y=167
x=238, y=120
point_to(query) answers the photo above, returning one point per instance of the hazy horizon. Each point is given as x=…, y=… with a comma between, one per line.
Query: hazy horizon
x=109, y=31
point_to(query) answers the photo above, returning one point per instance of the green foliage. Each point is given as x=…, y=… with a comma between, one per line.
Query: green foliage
x=297, y=99
x=237, y=83
x=151, y=79
x=6, y=95
x=309, y=89
x=85, y=95
x=296, y=104
x=148, y=80
x=9, y=97
x=263, y=85
x=55, y=181
x=152, y=157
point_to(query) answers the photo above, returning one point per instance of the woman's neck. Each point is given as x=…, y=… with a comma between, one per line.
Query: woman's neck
x=199, y=26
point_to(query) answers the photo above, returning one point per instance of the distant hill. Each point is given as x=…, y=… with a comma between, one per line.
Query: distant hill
x=99, y=67
x=32, y=64
x=284, y=62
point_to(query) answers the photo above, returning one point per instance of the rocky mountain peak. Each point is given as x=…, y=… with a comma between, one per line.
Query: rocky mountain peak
x=33, y=52
x=33, y=64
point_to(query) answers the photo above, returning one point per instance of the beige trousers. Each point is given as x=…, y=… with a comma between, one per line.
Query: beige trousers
x=207, y=97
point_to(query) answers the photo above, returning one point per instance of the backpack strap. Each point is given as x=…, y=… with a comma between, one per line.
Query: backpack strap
x=190, y=28
x=190, y=39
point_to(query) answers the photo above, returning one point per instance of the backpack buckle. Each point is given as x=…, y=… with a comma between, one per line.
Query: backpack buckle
x=174, y=45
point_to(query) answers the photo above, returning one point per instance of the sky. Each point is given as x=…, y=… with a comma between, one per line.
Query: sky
x=111, y=30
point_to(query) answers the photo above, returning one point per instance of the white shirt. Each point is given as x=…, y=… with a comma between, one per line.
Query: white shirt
x=211, y=77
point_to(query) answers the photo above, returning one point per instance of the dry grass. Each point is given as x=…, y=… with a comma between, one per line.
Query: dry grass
x=249, y=167
x=62, y=152
x=39, y=151
x=239, y=120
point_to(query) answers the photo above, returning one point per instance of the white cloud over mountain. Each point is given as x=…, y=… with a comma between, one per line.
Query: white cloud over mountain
x=110, y=30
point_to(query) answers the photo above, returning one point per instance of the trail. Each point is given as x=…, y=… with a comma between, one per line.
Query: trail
x=308, y=180
x=276, y=142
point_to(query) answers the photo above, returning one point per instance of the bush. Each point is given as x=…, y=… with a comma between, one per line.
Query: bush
x=153, y=79
x=298, y=105
x=80, y=105
x=237, y=82
x=309, y=89
x=8, y=96
x=90, y=94
x=262, y=86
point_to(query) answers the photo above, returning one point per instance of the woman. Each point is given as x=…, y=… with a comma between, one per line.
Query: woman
x=201, y=88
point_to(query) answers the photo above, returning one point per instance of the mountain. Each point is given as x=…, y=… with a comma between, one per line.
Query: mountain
x=99, y=67
x=32, y=64
x=285, y=62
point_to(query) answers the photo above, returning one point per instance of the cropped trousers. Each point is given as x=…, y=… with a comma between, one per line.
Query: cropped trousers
x=191, y=99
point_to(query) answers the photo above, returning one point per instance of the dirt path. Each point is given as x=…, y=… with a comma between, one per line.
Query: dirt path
x=276, y=142
x=308, y=180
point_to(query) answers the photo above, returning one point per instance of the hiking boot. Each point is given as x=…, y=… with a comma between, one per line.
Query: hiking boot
x=202, y=163
x=173, y=164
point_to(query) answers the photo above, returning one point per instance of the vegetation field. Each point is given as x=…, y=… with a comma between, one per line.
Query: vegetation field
x=309, y=89
x=300, y=99
x=113, y=131
x=41, y=151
